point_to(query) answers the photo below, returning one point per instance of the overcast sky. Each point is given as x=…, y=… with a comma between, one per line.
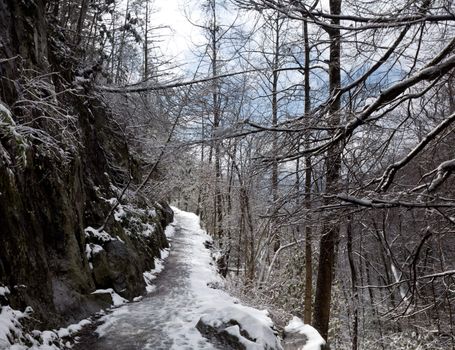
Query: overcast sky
x=178, y=40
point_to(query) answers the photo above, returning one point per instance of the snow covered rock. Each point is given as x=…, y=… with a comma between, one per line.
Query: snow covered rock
x=236, y=328
x=14, y=336
x=100, y=268
x=116, y=299
x=126, y=277
x=4, y=292
x=167, y=214
x=300, y=336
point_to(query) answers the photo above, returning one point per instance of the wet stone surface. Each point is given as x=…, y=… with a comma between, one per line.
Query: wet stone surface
x=164, y=319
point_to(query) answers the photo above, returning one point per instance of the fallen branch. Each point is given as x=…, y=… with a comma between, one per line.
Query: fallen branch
x=434, y=275
x=380, y=203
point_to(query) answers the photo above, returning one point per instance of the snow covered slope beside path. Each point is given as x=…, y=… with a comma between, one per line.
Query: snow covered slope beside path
x=167, y=317
x=218, y=310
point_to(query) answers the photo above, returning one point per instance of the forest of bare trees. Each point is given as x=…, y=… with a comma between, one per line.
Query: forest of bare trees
x=315, y=139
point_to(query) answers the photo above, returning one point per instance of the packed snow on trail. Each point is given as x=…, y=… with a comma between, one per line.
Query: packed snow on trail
x=183, y=302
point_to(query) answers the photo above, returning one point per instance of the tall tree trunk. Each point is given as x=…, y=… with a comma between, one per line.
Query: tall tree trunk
x=330, y=229
x=275, y=76
x=355, y=295
x=373, y=303
x=216, y=124
x=245, y=228
x=275, y=108
x=90, y=43
x=308, y=301
x=113, y=44
x=56, y=8
x=122, y=45
x=146, y=49
x=80, y=21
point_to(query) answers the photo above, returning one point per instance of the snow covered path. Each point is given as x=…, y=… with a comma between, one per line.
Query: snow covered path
x=167, y=317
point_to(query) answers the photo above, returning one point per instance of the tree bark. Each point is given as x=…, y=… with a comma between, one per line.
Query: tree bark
x=216, y=124
x=355, y=295
x=330, y=230
x=80, y=21
x=122, y=44
x=146, y=49
x=308, y=301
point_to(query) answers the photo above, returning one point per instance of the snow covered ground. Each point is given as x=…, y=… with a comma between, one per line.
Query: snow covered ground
x=314, y=339
x=167, y=317
x=179, y=297
x=11, y=329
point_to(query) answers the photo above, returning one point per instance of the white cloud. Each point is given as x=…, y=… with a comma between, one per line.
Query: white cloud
x=177, y=41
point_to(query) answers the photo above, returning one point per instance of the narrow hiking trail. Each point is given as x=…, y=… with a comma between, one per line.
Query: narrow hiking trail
x=166, y=318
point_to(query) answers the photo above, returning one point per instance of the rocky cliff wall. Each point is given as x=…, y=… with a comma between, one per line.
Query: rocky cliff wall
x=63, y=163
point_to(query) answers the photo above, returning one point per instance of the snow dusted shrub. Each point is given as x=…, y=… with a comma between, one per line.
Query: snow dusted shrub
x=256, y=298
x=407, y=341
x=9, y=130
x=41, y=108
x=11, y=330
x=16, y=335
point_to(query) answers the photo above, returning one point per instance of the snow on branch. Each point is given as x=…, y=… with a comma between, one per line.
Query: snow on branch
x=392, y=169
x=431, y=276
x=440, y=65
x=380, y=203
x=158, y=87
x=127, y=89
x=299, y=10
x=428, y=73
x=443, y=171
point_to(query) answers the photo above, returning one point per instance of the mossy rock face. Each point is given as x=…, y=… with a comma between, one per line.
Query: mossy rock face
x=127, y=279
x=135, y=242
x=50, y=194
x=44, y=210
x=102, y=299
x=166, y=213
x=101, y=271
